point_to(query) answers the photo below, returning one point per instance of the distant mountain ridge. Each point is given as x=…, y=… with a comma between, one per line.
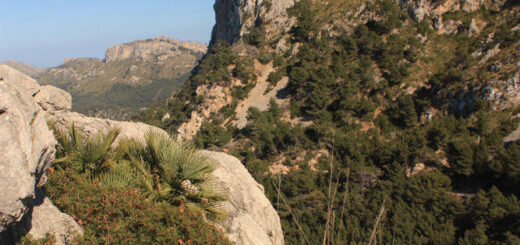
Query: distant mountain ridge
x=25, y=68
x=131, y=76
x=162, y=47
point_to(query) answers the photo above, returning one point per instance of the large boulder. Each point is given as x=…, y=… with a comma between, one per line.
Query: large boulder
x=93, y=125
x=47, y=219
x=28, y=148
x=22, y=81
x=53, y=100
x=251, y=217
x=27, y=152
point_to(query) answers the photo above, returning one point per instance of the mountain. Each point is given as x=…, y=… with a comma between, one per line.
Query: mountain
x=31, y=71
x=388, y=121
x=131, y=77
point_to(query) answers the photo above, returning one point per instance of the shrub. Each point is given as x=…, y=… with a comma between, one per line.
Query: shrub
x=168, y=171
x=162, y=168
x=112, y=215
x=275, y=77
x=92, y=153
x=244, y=70
x=256, y=36
x=212, y=134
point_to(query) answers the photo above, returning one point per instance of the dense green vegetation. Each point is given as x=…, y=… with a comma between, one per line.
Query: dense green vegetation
x=157, y=191
x=122, y=100
x=218, y=67
x=413, y=154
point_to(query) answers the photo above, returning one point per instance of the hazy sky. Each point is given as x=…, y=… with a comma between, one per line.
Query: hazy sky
x=44, y=32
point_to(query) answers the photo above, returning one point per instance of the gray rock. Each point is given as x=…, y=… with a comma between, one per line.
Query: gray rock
x=27, y=152
x=28, y=148
x=514, y=136
x=252, y=219
x=471, y=5
x=47, y=219
x=53, y=100
x=93, y=125
x=234, y=18
x=503, y=94
x=26, y=83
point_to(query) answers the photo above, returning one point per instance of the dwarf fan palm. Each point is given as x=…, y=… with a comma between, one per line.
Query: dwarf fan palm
x=91, y=153
x=168, y=171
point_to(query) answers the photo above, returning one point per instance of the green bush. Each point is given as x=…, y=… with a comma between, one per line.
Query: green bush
x=212, y=134
x=213, y=68
x=162, y=168
x=111, y=215
x=244, y=70
x=274, y=77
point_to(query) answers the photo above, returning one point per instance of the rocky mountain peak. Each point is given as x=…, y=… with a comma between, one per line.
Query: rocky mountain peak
x=234, y=18
x=162, y=47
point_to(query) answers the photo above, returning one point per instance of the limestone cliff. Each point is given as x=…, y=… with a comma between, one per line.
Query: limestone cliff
x=161, y=48
x=234, y=18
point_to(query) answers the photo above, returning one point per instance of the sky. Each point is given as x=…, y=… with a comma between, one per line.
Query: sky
x=44, y=32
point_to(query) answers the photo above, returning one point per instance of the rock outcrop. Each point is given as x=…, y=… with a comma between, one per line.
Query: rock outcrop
x=28, y=148
x=504, y=94
x=93, y=125
x=234, y=18
x=252, y=218
x=162, y=47
x=53, y=100
x=23, y=82
x=47, y=219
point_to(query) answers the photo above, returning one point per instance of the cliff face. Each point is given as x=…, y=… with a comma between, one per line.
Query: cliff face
x=132, y=76
x=234, y=18
x=161, y=48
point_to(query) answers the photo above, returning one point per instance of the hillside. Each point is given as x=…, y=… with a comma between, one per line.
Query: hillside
x=132, y=76
x=389, y=122
x=30, y=70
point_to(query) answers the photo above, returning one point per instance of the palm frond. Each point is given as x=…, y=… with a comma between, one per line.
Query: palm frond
x=163, y=168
